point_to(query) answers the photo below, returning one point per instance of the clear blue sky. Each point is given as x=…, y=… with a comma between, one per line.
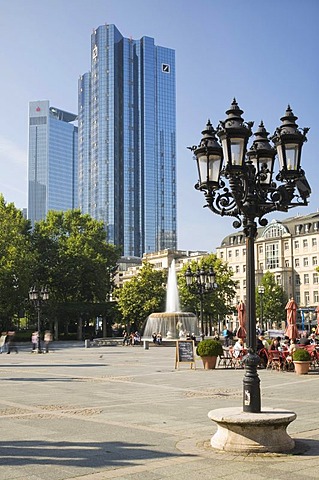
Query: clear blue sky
x=263, y=52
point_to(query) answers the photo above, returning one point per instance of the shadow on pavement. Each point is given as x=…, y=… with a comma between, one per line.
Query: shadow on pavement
x=77, y=454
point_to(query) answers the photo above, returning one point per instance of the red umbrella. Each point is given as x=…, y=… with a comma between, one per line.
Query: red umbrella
x=317, y=312
x=241, y=309
x=291, y=330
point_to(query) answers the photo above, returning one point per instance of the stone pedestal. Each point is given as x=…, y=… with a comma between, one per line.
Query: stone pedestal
x=245, y=432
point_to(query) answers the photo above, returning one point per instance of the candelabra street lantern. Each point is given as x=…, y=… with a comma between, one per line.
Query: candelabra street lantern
x=239, y=183
x=261, y=292
x=38, y=297
x=200, y=283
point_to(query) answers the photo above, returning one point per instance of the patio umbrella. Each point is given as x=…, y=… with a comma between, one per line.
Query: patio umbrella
x=291, y=330
x=317, y=312
x=241, y=309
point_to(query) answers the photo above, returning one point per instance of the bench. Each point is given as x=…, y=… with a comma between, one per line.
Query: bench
x=106, y=342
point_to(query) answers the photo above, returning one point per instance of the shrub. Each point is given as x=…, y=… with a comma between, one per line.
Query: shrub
x=301, y=355
x=209, y=348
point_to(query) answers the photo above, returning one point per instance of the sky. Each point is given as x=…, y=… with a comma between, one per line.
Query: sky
x=262, y=52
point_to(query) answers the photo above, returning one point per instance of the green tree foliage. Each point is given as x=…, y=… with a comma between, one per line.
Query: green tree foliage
x=219, y=301
x=15, y=261
x=73, y=258
x=141, y=296
x=274, y=301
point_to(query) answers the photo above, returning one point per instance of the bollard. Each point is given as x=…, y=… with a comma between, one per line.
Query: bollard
x=87, y=343
x=146, y=344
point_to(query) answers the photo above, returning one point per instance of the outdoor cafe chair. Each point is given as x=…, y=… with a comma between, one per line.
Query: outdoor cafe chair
x=225, y=359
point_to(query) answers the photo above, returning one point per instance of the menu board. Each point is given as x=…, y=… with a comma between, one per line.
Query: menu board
x=185, y=352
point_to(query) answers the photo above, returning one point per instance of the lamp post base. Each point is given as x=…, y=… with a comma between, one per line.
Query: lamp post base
x=244, y=432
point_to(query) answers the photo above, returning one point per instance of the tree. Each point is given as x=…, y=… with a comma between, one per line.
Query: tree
x=216, y=304
x=274, y=300
x=15, y=261
x=73, y=258
x=141, y=296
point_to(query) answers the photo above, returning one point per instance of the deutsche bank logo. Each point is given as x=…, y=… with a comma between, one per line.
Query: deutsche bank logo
x=165, y=68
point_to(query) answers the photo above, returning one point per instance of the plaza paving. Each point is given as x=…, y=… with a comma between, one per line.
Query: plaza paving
x=126, y=413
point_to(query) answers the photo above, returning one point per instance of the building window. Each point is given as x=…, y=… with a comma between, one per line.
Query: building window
x=297, y=280
x=307, y=298
x=261, y=266
x=237, y=253
x=272, y=255
x=298, y=229
x=296, y=244
x=278, y=279
x=230, y=253
x=244, y=268
x=286, y=263
x=297, y=295
x=260, y=249
x=315, y=278
x=316, y=296
x=221, y=254
x=305, y=243
x=297, y=262
x=314, y=261
x=306, y=279
x=314, y=242
x=305, y=262
x=237, y=268
x=244, y=283
x=286, y=245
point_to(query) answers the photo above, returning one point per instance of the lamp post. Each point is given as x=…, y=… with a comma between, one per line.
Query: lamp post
x=261, y=292
x=200, y=282
x=248, y=192
x=38, y=297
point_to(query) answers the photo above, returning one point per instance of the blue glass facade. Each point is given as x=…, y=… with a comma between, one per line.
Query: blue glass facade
x=53, y=160
x=127, y=141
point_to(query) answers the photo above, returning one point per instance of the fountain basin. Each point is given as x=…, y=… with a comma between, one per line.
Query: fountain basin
x=170, y=324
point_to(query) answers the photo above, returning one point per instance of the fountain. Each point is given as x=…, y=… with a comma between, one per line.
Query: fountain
x=172, y=323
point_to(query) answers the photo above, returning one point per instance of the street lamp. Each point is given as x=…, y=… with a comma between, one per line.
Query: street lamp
x=200, y=282
x=261, y=291
x=248, y=192
x=38, y=297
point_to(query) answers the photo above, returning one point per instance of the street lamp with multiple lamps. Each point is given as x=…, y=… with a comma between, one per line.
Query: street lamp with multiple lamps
x=38, y=297
x=200, y=282
x=248, y=192
x=261, y=292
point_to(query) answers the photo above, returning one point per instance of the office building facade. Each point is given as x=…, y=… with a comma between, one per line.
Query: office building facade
x=53, y=160
x=290, y=250
x=127, y=141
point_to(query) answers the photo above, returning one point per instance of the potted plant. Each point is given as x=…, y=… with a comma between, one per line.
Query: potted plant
x=209, y=350
x=302, y=359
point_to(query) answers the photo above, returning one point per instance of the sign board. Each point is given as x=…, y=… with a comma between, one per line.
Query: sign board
x=185, y=352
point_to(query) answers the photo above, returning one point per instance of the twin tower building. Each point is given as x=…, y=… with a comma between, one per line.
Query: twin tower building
x=115, y=159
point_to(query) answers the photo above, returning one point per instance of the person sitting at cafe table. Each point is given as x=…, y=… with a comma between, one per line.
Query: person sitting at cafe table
x=275, y=345
x=312, y=338
x=238, y=347
x=304, y=340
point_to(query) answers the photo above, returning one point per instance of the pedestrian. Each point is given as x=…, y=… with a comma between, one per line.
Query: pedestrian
x=3, y=339
x=47, y=340
x=34, y=341
x=11, y=343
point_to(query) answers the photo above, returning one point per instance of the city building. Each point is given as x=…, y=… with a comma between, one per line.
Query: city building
x=129, y=267
x=290, y=250
x=52, y=162
x=127, y=141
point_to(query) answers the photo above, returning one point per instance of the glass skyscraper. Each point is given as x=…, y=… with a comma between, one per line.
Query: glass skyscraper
x=53, y=160
x=127, y=141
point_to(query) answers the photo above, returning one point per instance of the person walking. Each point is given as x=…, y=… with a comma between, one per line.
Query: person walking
x=47, y=340
x=3, y=339
x=11, y=343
